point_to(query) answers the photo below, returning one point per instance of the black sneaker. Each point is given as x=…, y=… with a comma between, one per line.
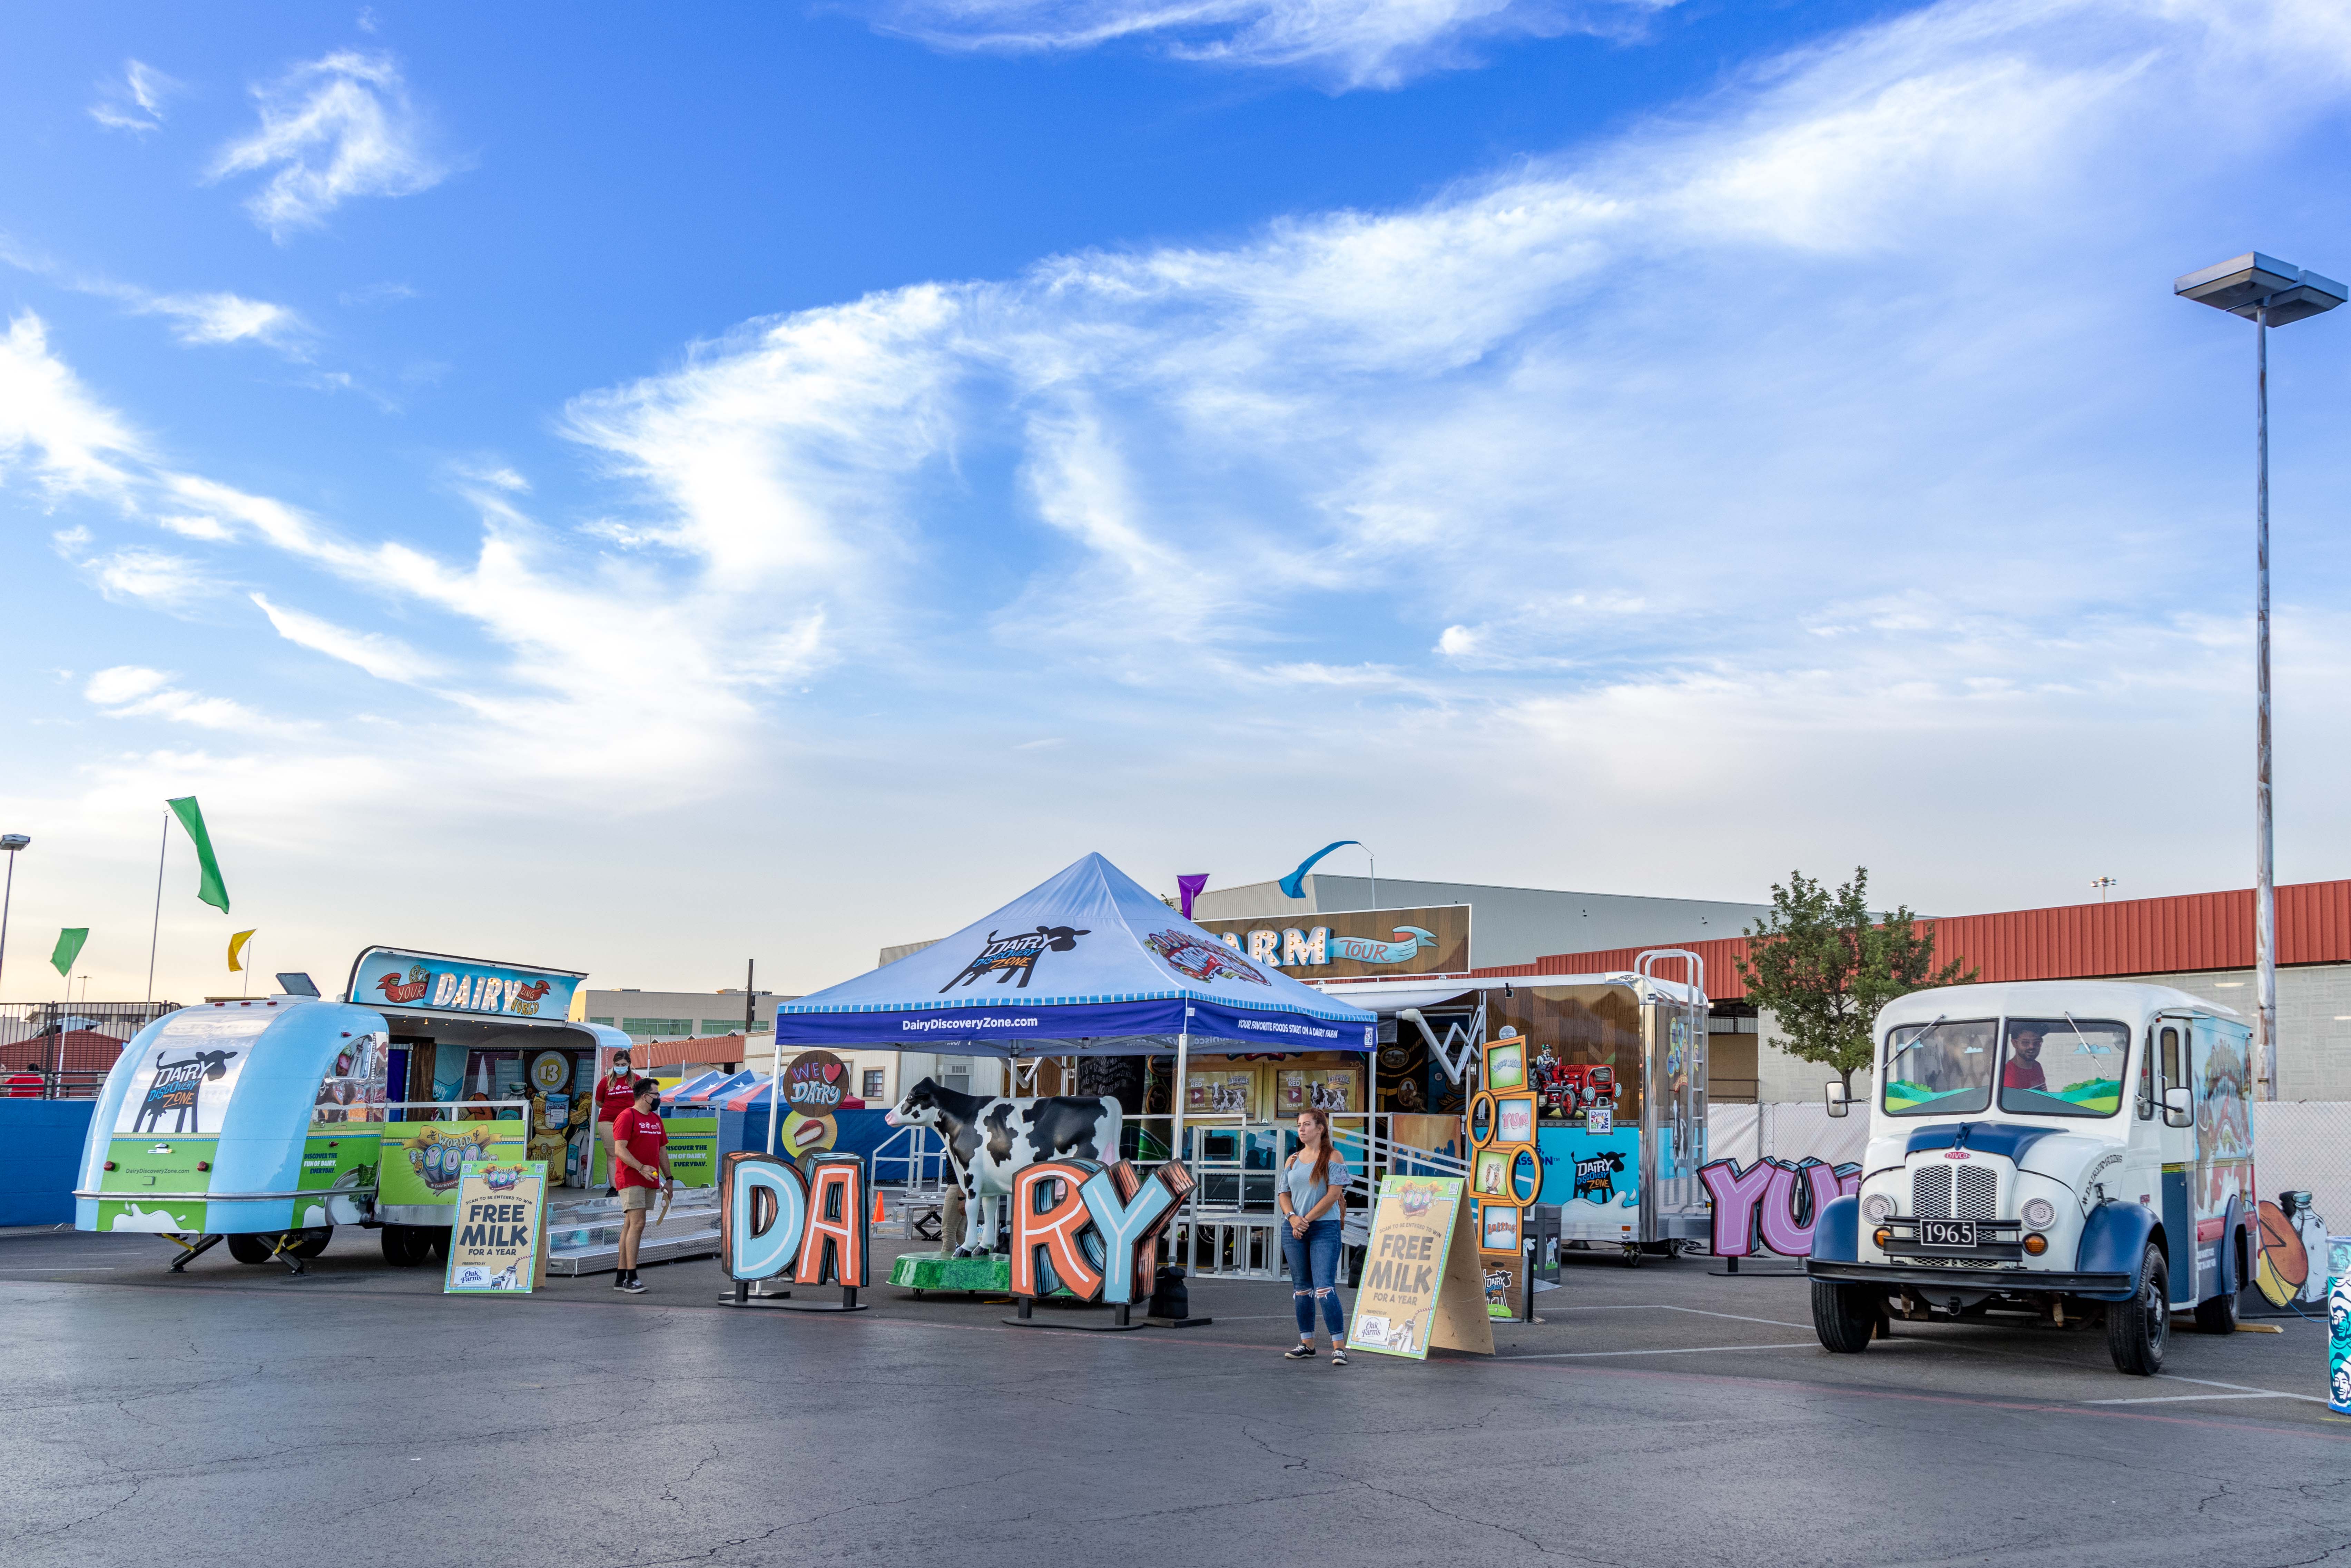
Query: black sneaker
x=633, y=1285
x=1338, y=1356
x=1299, y=1352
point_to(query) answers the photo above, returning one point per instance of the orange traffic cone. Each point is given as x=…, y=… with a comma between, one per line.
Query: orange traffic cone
x=879, y=1216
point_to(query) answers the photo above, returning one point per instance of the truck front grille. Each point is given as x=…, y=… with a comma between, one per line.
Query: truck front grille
x=1931, y=1195
x=1930, y=1192
x=1975, y=1200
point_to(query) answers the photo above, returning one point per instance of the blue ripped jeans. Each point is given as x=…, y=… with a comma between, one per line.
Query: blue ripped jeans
x=1313, y=1260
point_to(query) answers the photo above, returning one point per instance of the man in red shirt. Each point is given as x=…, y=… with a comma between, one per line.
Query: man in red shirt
x=615, y=1092
x=2023, y=1070
x=641, y=1166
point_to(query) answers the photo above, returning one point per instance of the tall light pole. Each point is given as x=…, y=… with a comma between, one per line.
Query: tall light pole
x=11, y=843
x=2268, y=293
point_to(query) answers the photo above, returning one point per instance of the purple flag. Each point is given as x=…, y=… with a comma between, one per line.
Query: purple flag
x=1187, y=888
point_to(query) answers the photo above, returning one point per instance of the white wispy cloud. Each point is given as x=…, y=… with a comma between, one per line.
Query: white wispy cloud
x=133, y=101
x=565, y=650
x=386, y=658
x=225, y=319
x=198, y=318
x=1350, y=43
x=337, y=128
x=132, y=691
x=50, y=422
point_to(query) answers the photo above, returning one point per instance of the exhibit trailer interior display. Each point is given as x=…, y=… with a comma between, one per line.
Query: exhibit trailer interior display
x=1615, y=1064
x=267, y=1123
x=2066, y=1152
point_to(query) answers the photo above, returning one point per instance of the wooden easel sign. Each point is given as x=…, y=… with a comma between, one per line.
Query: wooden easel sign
x=1422, y=1286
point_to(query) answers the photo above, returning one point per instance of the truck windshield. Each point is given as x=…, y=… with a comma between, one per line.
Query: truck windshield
x=1942, y=1067
x=2064, y=1067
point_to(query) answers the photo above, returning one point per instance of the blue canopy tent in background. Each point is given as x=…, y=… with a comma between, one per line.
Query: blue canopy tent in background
x=1086, y=964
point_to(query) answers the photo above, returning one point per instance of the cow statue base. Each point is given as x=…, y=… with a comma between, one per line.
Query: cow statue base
x=990, y=1139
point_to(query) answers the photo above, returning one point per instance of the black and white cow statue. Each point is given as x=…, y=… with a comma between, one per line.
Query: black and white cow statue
x=988, y=1138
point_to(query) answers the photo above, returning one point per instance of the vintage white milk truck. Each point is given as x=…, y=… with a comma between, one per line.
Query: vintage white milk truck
x=2073, y=1151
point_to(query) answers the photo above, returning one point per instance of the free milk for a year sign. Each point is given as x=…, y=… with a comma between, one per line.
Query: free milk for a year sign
x=498, y=1243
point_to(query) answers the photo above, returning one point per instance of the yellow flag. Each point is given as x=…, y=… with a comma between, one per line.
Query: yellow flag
x=237, y=946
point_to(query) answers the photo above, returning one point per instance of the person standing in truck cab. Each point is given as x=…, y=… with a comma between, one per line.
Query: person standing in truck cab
x=2023, y=1068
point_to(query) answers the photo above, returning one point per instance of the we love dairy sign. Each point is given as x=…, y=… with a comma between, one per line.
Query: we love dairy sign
x=816, y=1084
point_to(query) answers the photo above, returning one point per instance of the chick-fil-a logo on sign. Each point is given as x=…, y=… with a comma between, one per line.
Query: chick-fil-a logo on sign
x=1773, y=1200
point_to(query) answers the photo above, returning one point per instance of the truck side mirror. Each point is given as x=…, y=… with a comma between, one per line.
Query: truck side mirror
x=2178, y=1110
x=1839, y=1100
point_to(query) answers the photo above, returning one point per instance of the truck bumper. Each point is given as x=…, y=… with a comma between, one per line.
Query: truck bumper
x=2038, y=1282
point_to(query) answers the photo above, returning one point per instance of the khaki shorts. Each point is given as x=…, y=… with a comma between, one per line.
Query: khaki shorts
x=637, y=1197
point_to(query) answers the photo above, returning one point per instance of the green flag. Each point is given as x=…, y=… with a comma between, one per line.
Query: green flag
x=209, y=888
x=70, y=943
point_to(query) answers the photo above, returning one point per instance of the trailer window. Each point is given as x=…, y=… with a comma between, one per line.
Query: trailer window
x=2064, y=1066
x=353, y=1087
x=1943, y=1067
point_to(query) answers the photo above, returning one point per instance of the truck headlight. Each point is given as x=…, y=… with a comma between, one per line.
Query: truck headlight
x=2040, y=1213
x=1876, y=1208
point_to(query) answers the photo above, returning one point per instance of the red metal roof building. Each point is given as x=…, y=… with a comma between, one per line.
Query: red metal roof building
x=2195, y=931
x=2187, y=941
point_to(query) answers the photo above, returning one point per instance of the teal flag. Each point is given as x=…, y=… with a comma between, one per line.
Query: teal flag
x=1294, y=884
x=209, y=887
x=68, y=948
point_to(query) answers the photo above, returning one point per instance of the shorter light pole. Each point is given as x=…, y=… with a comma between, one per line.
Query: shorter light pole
x=2104, y=885
x=11, y=842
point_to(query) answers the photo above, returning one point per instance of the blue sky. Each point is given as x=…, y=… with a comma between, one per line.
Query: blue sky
x=639, y=490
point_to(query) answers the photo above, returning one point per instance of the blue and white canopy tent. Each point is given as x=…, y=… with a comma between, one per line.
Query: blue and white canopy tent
x=1085, y=964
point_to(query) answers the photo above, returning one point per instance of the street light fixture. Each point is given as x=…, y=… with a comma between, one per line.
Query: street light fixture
x=2269, y=293
x=11, y=843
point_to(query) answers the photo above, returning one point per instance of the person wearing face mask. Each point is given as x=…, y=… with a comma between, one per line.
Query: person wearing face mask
x=640, y=1161
x=615, y=1092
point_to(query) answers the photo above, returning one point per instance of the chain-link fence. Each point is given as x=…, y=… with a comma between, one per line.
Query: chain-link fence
x=63, y=1050
x=2298, y=1146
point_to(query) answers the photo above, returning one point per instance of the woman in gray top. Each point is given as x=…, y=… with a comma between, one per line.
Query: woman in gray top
x=1313, y=1197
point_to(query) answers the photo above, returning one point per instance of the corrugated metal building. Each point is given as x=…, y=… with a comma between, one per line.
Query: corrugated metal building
x=2201, y=942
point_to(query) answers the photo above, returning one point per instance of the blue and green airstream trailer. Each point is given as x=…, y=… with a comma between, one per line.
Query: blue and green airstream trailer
x=266, y=1124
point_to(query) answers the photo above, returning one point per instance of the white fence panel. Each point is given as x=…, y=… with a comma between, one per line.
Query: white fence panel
x=2299, y=1145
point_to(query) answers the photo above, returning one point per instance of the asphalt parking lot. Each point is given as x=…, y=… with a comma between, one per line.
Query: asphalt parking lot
x=1657, y=1415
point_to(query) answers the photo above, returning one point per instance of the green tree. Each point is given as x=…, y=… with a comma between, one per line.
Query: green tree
x=1824, y=967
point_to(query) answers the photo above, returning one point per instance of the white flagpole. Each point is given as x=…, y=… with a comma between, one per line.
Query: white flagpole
x=1182, y=1075
x=155, y=930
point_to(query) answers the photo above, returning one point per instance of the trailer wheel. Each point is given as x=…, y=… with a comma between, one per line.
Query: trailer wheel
x=405, y=1246
x=2218, y=1315
x=436, y=1242
x=248, y=1247
x=2137, y=1329
x=1844, y=1316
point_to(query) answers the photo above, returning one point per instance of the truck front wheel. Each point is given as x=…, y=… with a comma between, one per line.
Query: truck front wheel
x=1845, y=1316
x=2137, y=1329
